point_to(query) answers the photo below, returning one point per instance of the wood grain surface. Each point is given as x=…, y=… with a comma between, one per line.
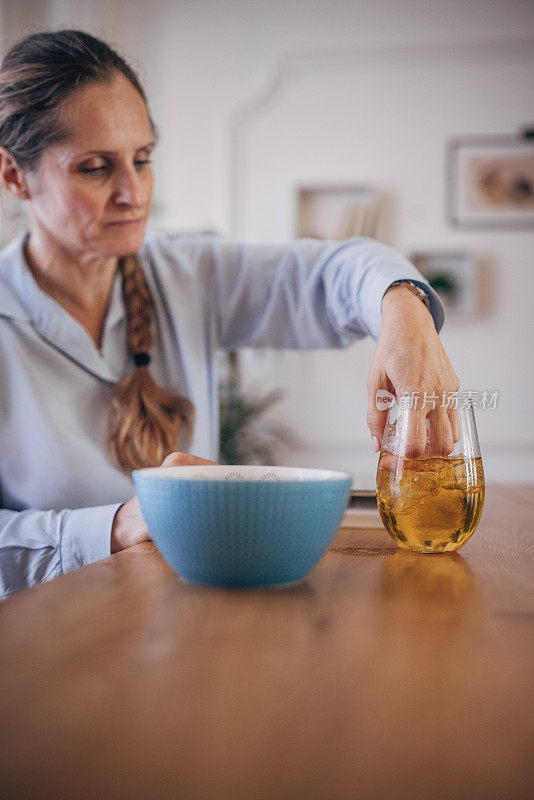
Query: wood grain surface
x=385, y=674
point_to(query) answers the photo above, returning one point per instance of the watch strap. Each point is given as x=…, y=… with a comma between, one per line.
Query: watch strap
x=414, y=288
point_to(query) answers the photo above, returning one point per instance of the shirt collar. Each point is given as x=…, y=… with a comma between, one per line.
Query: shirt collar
x=22, y=299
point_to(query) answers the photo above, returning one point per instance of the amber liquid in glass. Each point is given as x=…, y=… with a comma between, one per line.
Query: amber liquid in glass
x=431, y=505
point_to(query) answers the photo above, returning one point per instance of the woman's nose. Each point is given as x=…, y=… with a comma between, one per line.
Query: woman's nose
x=128, y=188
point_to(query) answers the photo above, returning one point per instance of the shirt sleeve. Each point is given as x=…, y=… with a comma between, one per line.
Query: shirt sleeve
x=307, y=294
x=36, y=546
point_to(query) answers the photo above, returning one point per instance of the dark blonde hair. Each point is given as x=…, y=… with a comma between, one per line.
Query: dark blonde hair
x=37, y=74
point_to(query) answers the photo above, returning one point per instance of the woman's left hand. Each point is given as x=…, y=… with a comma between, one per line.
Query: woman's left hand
x=409, y=357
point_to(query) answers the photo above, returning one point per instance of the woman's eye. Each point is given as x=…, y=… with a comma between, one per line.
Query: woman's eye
x=139, y=164
x=91, y=170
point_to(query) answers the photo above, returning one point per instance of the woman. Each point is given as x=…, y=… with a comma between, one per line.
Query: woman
x=108, y=333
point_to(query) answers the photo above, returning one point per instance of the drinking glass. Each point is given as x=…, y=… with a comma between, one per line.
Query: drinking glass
x=430, y=503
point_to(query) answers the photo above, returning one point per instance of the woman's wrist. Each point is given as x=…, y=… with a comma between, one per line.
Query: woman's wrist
x=128, y=528
x=116, y=546
x=399, y=299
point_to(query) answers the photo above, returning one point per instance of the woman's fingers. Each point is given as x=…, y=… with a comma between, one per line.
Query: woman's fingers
x=455, y=423
x=412, y=432
x=440, y=433
x=184, y=460
x=426, y=431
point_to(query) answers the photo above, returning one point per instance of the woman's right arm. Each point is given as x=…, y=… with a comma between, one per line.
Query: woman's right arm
x=36, y=546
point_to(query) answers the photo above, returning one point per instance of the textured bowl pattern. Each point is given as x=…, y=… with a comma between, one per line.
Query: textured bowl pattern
x=241, y=533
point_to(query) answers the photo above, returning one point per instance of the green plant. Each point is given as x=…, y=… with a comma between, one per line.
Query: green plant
x=444, y=283
x=245, y=436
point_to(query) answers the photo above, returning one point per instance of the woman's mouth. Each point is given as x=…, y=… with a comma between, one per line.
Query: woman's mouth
x=124, y=223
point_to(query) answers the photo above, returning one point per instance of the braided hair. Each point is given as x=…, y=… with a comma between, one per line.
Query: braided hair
x=146, y=420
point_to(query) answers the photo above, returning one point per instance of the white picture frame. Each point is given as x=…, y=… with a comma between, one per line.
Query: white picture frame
x=490, y=182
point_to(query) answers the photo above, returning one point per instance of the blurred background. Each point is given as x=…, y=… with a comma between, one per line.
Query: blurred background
x=407, y=120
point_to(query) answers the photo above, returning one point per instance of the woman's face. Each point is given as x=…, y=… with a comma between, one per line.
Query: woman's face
x=92, y=192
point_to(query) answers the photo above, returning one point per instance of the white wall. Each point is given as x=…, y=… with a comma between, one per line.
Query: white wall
x=338, y=91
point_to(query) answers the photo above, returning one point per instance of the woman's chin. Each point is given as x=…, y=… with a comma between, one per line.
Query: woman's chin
x=121, y=241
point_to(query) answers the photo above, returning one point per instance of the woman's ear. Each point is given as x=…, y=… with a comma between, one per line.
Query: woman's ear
x=12, y=177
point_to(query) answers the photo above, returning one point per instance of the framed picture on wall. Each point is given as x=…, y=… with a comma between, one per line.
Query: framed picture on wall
x=490, y=182
x=453, y=274
x=337, y=212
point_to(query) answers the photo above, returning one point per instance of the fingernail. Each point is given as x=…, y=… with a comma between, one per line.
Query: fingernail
x=376, y=443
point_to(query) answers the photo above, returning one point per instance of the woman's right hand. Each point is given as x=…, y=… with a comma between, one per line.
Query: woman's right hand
x=129, y=527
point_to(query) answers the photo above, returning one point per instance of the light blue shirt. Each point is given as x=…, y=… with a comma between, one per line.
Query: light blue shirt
x=59, y=489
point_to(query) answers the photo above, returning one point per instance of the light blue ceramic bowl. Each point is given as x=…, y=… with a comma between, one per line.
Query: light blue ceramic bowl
x=242, y=526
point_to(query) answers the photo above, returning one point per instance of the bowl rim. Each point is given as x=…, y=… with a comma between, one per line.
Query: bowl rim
x=244, y=473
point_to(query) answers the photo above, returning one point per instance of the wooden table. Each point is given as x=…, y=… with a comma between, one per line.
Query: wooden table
x=385, y=675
